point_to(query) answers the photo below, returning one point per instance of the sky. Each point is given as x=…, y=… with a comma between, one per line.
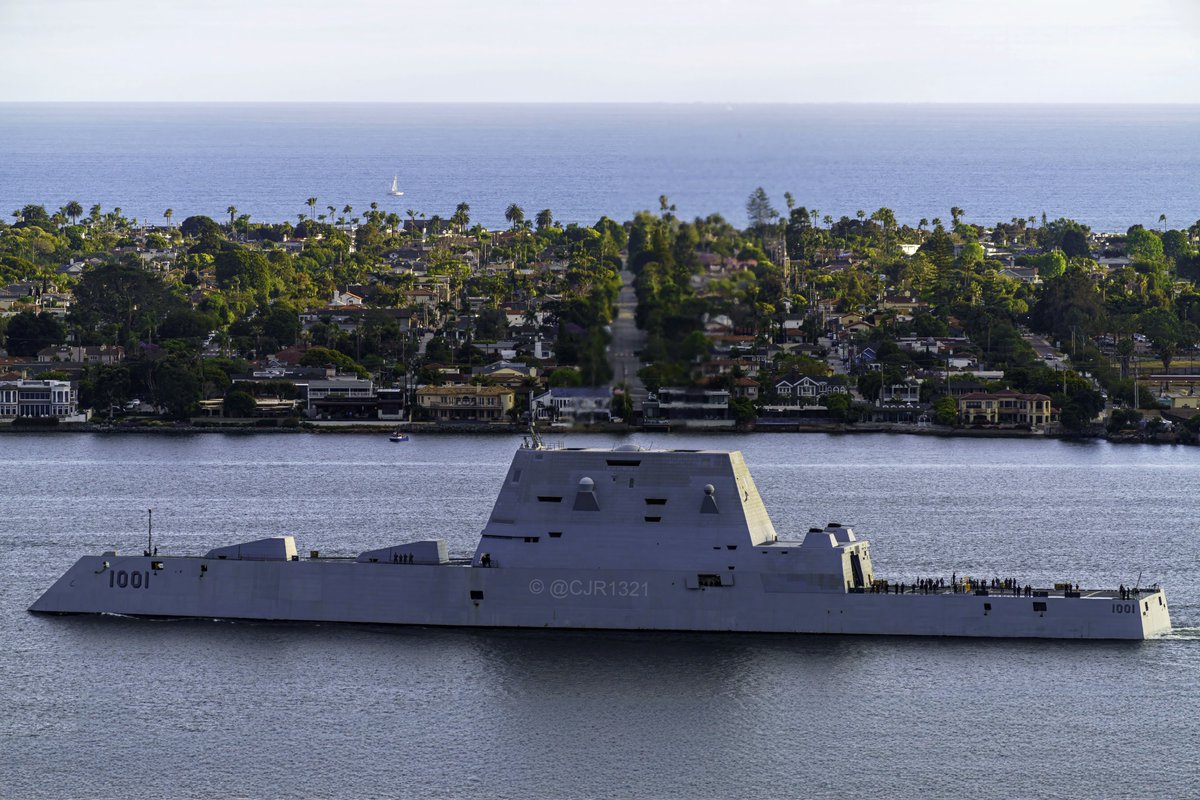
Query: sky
x=721, y=51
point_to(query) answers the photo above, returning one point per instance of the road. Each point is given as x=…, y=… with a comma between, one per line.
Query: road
x=627, y=340
x=1045, y=351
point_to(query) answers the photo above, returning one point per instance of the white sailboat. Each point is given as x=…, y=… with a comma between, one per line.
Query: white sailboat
x=395, y=190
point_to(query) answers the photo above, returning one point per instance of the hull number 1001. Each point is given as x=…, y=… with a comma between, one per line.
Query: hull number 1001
x=120, y=579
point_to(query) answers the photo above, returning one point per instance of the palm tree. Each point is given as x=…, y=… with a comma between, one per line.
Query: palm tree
x=73, y=210
x=168, y=214
x=462, y=216
x=921, y=227
x=332, y=212
x=348, y=210
x=1162, y=219
x=232, y=212
x=544, y=219
x=312, y=207
x=791, y=201
x=515, y=215
x=956, y=214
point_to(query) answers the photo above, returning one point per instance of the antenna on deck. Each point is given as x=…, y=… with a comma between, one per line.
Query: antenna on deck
x=534, y=442
x=149, y=531
x=1138, y=585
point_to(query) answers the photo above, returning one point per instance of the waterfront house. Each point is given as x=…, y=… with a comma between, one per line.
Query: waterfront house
x=746, y=387
x=465, y=403
x=688, y=407
x=578, y=404
x=339, y=397
x=1006, y=408
x=907, y=391
x=798, y=389
x=39, y=398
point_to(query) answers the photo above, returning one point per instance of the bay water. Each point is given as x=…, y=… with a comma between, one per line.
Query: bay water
x=113, y=707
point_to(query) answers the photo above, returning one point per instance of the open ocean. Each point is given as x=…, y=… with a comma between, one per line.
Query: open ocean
x=119, y=708
x=1106, y=166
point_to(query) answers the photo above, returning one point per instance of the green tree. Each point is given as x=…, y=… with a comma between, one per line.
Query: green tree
x=1143, y=245
x=73, y=210
x=27, y=333
x=515, y=215
x=239, y=404
x=461, y=217
x=120, y=295
x=281, y=322
x=743, y=410
x=242, y=270
x=565, y=376
x=323, y=357
x=195, y=227
x=186, y=323
x=1071, y=300
x=105, y=388
x=1165, y=333
x=176, y=387
x=1176, y=245
x=945, y=411
x=838, y=405
x=1074, y=244
x=1051, y=265
x=870, y=384
x=759, y=210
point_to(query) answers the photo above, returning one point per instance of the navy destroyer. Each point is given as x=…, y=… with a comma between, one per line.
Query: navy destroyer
x=627, y=539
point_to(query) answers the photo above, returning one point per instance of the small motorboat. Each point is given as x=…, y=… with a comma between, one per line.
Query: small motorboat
x=398, y=436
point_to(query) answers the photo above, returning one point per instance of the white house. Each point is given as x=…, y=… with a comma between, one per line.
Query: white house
x=584, y=404
x=793, y=388
x=39, y=398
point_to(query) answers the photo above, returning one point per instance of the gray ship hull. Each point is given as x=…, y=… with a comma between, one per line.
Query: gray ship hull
x=345, y=590
x=623, y=539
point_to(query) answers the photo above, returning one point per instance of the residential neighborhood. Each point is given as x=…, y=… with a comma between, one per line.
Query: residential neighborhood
x=798, y=322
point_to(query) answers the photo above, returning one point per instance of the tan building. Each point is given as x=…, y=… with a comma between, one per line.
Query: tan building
x=1004, y=408
x=463, y=403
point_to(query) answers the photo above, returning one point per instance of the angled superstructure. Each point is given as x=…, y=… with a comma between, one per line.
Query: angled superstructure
x=618, y=539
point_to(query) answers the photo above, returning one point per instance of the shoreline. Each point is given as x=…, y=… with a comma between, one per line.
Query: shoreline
x=316, y=428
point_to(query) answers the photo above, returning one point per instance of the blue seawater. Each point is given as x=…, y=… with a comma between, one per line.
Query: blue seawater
x=1107, y=166
x=118, y=708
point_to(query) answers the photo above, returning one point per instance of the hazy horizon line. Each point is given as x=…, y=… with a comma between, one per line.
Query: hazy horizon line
x=731, y=103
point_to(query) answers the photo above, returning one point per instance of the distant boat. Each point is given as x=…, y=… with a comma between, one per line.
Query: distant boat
x=395, y=190
x=398, y=436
